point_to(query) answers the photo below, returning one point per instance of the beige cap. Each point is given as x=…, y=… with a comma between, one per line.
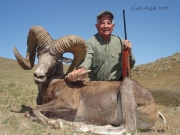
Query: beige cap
x=108, y=13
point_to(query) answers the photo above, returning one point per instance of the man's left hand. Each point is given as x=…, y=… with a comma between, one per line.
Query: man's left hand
x=127, y=45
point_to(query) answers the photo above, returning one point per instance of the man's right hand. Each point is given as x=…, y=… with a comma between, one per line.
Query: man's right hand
x=73, y=75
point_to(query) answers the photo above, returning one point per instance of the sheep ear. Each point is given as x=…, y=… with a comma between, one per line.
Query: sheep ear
x=66, y=60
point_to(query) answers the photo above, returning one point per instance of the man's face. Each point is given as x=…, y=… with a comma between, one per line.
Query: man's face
x=105, y=26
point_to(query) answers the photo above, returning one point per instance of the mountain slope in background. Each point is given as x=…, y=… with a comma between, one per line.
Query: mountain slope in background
x=164, y=73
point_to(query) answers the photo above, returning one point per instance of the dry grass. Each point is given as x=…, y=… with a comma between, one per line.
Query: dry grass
x=18, y=94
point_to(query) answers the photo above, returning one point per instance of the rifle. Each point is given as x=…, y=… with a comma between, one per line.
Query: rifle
x=125, y=56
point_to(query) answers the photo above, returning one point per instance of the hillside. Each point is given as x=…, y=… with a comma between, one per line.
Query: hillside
x=9, y=65
x=163, y=73
x=152, y=75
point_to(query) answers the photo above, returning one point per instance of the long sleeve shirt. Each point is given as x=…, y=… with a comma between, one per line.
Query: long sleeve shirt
x=104, y=59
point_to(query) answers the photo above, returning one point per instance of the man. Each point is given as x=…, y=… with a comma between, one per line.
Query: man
x=104, y=52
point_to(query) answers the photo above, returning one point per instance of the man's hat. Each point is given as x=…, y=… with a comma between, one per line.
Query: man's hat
x=108, y=13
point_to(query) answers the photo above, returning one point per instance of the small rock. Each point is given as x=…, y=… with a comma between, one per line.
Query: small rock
x=161, y=130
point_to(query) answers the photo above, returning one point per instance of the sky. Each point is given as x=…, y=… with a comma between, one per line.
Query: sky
x=153, y=26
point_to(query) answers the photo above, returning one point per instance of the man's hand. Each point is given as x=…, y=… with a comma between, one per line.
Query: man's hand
x=127, y=45
x=73, y=75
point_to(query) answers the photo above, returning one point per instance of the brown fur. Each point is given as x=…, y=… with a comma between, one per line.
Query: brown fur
x=100, y=103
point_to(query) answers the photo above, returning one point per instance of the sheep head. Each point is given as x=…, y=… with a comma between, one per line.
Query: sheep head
x=50, y=54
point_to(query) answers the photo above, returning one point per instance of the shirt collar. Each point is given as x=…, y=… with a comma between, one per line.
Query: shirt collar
x=102, y=39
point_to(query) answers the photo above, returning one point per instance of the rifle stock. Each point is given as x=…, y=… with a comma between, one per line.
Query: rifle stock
x=125, y=56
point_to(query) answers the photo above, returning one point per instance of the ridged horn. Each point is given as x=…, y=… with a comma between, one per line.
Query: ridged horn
x=37, y=36
x=74, y=44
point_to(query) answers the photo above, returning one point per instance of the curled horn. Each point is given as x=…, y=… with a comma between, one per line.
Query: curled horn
x=74, y=44
x=37, y=36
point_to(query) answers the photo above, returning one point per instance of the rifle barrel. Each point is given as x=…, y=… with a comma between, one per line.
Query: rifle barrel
x=125, y=33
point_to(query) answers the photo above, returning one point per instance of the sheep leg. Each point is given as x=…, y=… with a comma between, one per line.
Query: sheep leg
x=88, y=128
x=54, y=105
x=39, y=98
x=128, y=105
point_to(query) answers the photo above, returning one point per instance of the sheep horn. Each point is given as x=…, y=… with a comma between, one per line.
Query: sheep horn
x=74, y=44
x=37, y=36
